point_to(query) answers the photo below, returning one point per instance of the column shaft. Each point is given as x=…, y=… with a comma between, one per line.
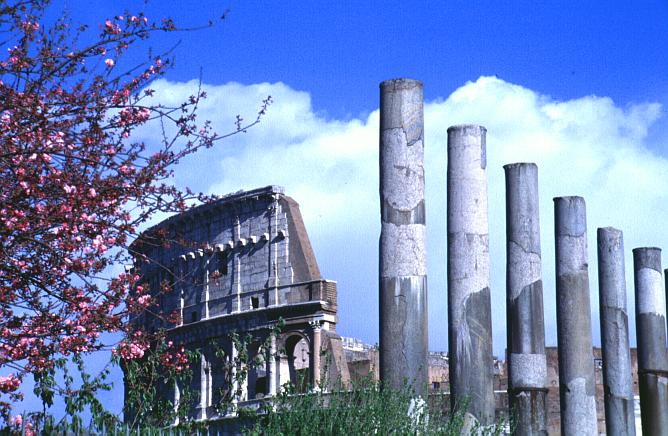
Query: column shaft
x=469, y=305
x=316, y=345
x=651, y=335
x=577, y=386
x=617, y=380
x=403, y=260
x=527, y=366
x=272, y=373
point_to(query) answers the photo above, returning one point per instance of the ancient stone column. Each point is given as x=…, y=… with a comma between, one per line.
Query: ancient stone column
x=272, y=370
x=469, y=306
x=236, y=388
x=651, y=332
x=577, y=387
x=316, y=344
x=617, y=380
x=527, y=366
x=403, y=260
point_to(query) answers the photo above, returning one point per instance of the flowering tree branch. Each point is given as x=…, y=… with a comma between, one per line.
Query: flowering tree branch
x=75, y=187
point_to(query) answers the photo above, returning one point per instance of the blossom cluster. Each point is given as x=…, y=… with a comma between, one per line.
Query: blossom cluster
x=21, y=425
x=9, y=383
x=134, y=347
x=175, y=358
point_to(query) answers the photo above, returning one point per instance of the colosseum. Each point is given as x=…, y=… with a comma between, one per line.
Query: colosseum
x=237, y=266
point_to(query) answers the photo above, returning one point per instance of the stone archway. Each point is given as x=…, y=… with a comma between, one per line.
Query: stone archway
x=257, y=382
x=295, y=361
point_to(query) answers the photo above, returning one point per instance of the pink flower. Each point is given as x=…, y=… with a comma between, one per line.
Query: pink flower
x=9, y=383
x=109, y=62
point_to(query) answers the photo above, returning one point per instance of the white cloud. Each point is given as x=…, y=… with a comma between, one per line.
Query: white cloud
x=587, y=146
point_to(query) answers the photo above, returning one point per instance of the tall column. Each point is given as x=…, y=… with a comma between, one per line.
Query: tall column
x=527, y=366
x=272, y=373
x=234, y=371
x=403, y=260
x=316, y=344
x=469, y=306
x=617, y=380
x=237, y=265
x=651, y=332
x=577, y=386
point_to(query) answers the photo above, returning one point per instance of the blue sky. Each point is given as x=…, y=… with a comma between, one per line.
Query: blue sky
x=340, y=51
x=578, y=87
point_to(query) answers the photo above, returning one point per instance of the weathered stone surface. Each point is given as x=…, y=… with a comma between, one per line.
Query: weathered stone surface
x=530, y=413
x=653, y=401
x=576, y=363
x=651, y=332
x=404, y=252
x=619, y=413
x=403, y=260
x=580, y=415
x=650, y=310
x=469, y=305
x=527, y=371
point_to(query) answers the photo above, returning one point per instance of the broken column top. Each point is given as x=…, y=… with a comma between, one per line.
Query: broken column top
x=648, y=257
x=467, y=128
x=610, y=232
x=570, y=216
x=518, y=164
x=399, y=83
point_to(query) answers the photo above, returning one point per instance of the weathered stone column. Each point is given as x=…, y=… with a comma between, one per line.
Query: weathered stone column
x=651, y=332
x=527, y=366
x=203, y=388
x=316, y=343
x=617, y=380
x=403, y=260
x=469, y=306
x=577, y=387
x=272, y=373
x=236, y=388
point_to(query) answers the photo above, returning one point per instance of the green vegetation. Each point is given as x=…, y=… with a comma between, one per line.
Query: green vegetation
x=366, y=408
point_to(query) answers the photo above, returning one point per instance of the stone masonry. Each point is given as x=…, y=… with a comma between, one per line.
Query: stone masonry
x=239, y=264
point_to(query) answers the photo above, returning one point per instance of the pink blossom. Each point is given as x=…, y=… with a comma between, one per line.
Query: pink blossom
x=109, y=62
x=9, y=383
x=16, y=420
x=144, y=300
